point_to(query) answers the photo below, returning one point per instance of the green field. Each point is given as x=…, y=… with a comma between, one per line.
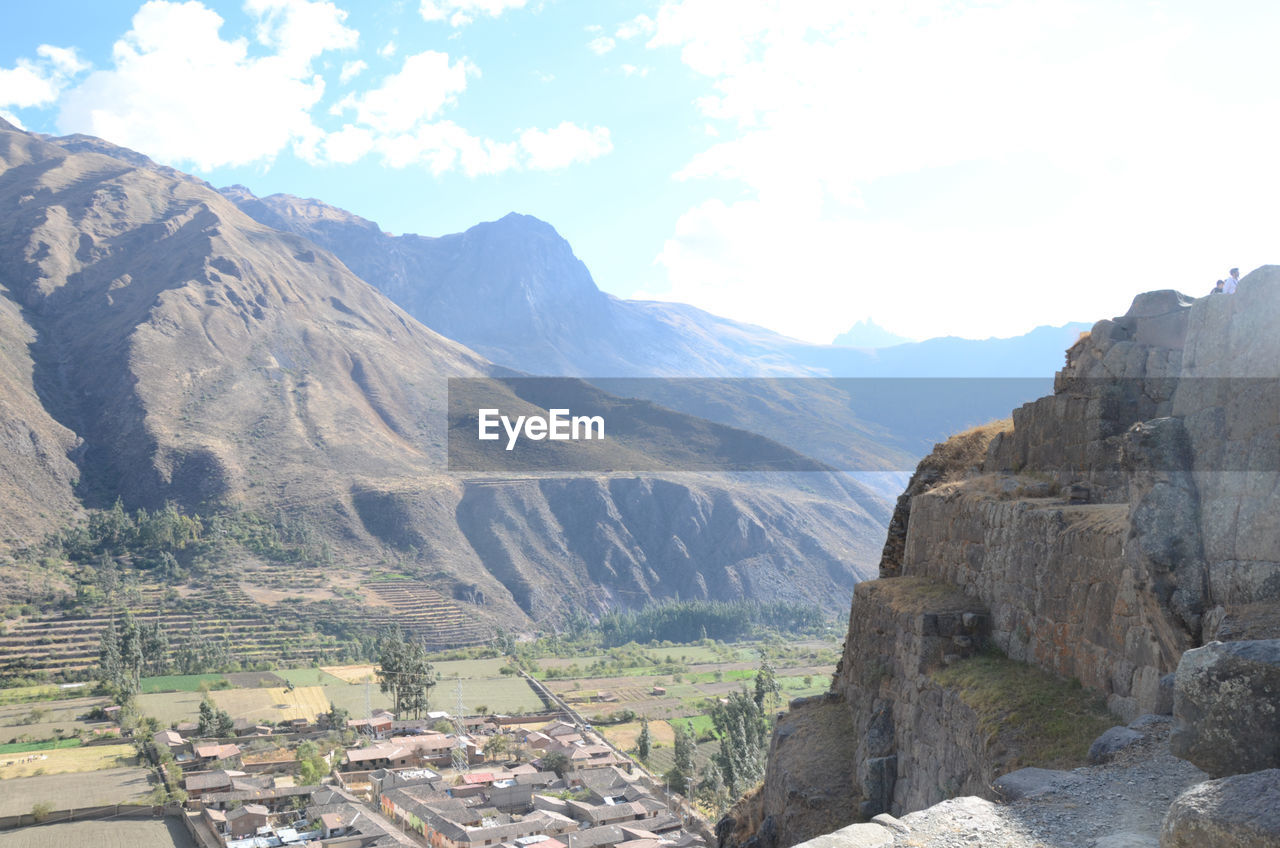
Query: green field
x=30, y=694
x=179, y=682
x=43, y=745
x=310, y=677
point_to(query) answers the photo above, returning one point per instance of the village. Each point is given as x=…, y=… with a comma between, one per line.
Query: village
x=509, y=781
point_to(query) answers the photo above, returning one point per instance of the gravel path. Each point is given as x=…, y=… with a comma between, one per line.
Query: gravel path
x=1116, y=805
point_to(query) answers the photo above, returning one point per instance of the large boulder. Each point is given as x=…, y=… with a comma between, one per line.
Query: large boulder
x=1226, y=707
x=1242, y=811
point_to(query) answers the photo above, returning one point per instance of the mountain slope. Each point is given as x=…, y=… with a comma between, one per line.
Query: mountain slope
x=160, y=345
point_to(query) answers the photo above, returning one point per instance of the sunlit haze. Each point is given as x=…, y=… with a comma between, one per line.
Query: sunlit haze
x=940, y=168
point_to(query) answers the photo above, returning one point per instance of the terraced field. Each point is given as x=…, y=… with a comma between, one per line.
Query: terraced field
x=282, y=634
x=426, y=614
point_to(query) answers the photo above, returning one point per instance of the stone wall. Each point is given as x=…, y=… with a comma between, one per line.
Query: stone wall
x=1126, y=519
x=1061, y=592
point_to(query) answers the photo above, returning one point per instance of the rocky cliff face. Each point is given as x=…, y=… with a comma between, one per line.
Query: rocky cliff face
x=1127, y=518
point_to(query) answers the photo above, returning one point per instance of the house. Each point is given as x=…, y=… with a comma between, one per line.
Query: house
x=169, y=740
x=201, y=783
x=210, y=753
x=245, y=821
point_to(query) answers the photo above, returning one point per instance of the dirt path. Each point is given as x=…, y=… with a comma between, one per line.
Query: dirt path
x=1117, y=805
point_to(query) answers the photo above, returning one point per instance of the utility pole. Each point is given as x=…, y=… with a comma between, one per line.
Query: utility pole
x=460, y=758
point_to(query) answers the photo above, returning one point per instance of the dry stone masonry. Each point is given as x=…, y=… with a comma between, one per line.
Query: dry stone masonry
x=1122, y=523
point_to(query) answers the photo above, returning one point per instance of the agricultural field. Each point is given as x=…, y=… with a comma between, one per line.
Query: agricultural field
x=180, y=683
x=106, y=786
x=271, y=706
x=66, y=760
x=36, y=720
x=144, y=833
x=170, y=707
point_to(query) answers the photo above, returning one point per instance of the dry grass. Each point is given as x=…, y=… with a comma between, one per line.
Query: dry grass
x=110, y=786
x=350, y=673
x=624, y=736
x=1036, y=718
x=273, y=705
x=153, y=833
x=967, y=449
x=66, y=760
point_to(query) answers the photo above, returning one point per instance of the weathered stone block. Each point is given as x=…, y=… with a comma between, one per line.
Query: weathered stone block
x=1029, y=782
x=865, y=835
x=1112, y=742
x=1242, y=811
x=1226, y=707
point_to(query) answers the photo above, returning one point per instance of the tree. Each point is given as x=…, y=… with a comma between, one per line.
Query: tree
x=743, y=734
x=496, y=746
x=644, y=742
x=686, y=746
x=337, y=716
x=676, y=780
x=767, y=687
x=110, y=666
x=312, y=765
x=556, y=762
x=404, y=673
x=213, y=721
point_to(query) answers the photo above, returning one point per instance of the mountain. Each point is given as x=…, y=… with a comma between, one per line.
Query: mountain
x=513, y=290
x=158, y=345
x=868, y=334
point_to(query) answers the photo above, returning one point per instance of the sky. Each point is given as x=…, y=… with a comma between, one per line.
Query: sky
x=939, y=167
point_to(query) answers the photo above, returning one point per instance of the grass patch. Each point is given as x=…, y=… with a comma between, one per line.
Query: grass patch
x=180, y=683
x=70, y=760
x=30, y=694
x=42, y=745
x=916, y=594
x=309, y=677
x=1040, y=719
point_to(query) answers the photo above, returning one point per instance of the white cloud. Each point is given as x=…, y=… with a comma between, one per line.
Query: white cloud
x=1000, y=163
x=559, y=147
x=400, y=121
x=351, y=70
x=181, y=93
x=462, y=12
x=38, y=83
x=425, y=84
x=387, y=50
x=12, y=118
x=601, y=45
x=640, y=25
x=632, y=70
x=300, y=30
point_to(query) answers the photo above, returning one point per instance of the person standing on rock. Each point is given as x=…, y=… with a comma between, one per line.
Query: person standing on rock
x=1217, y=287
x=1229, y=284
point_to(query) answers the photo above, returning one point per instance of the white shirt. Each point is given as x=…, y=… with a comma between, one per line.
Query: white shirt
x=1229, y=285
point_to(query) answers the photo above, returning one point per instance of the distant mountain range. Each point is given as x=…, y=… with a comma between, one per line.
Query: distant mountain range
x=868, y=334
x=513, y=290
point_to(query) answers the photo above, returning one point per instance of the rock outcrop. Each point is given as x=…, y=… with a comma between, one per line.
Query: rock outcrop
x=1234, y=812
x=1227, y=707
x=1121, y=522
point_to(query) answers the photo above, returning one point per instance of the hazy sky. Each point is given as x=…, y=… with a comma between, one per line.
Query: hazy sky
x=963, y=168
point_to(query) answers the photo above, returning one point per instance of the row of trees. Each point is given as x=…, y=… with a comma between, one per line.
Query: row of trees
x=125, y=652
x=404, y=673
x=689, y=621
